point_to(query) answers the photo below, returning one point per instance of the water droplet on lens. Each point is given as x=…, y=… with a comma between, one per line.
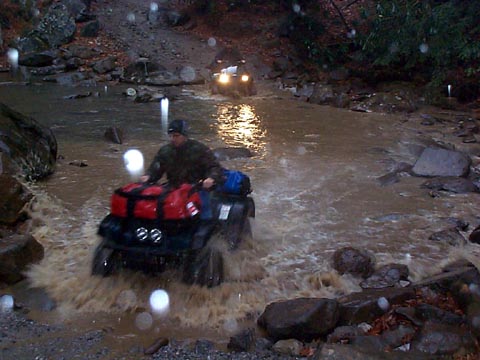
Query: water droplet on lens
x=6, y=302
x=143, y=321
x=159, y=301
x=187, y=74
x=131, y=17
x=423, y=48
x=212, y=42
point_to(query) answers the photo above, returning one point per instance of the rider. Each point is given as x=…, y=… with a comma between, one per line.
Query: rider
x=184, y=160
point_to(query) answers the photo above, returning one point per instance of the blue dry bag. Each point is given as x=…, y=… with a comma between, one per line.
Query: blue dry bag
x=236, y=183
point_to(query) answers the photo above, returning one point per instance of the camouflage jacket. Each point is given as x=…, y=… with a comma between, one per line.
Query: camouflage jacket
x=189, y=163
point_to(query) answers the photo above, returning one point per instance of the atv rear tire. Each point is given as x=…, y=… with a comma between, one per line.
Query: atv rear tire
x=206, y=269
x=104, y=262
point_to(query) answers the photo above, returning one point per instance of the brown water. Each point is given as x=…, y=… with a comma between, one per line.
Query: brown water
x=315, y=186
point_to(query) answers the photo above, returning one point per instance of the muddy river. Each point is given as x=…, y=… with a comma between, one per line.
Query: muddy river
x=315, y=179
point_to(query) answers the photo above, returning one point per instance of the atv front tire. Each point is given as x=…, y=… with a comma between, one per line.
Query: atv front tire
x=206, y=268
x=103, y=263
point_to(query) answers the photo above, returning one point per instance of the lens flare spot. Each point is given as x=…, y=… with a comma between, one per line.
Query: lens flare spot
x=383, y=303
x=187, y=74
x=133, y=161
x=6, y=303
x=12, y=55
x=131, y=17
x=212, y=42
x=423, y=48
x=160, y=301
x=144, y=321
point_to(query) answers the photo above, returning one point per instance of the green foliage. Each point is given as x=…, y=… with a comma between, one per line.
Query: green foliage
x=428, y=36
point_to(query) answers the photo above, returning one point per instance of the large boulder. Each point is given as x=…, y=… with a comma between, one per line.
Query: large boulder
x=16, y=253
x=303, y=319
x=30, y=145
x=56, y=28
x=441, y=162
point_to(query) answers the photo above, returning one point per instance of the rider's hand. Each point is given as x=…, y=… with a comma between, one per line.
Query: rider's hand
x=208, y=183
x=144, y=178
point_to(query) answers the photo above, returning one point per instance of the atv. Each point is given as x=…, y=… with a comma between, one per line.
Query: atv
x=152, y=228
x=232, y=79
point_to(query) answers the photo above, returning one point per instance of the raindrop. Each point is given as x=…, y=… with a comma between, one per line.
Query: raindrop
x=212, y=42
x=6, y=303
x=230, y=325
x=301, y=150
x=474, y=289
x=144, y=321
x=164, y=109
x=12, y=55
x=383, y=303
x=476, y=322
x=160, y=301
x=131, y=17
x=393, y=48
x=423, y=48
x=133, y=161
x=187, y=74
x=296, y=8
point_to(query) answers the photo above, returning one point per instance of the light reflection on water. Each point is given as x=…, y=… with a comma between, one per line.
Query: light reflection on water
x=239, y=126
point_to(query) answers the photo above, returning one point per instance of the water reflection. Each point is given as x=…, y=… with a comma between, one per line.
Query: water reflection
x=239, y=125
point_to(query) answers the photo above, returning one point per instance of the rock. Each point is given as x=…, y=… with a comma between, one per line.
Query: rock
x=353, y=261
x=449, y=236
x=37, y=59
x=289, y=347
x=439, y=339
x=364, y=306
x=114, y=134
x=16, y=253
x=105, y=65
x=80, y=51
x=228, y=153
x=303, y=319
x=91, y=29
x=13, y=199
x=322, y=94
x=474, y=236
x=388, y=179
x=159, y=343
x=453, y=184
x=244, y=341
x=441, y=162
x=56, y=28
x=30, y=145
x=386, y=276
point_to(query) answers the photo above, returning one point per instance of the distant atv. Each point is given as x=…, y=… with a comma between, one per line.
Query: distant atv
x=155, y=227
x=230, y=76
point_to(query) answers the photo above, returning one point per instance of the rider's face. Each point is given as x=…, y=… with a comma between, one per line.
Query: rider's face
x=177, y=139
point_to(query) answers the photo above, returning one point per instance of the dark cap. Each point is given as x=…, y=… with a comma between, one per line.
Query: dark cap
x=178, y=126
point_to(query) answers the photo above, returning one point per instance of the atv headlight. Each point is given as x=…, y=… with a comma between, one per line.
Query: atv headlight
x=245, y=78
x=142, y=233
x=156, y=235
x=224, y=78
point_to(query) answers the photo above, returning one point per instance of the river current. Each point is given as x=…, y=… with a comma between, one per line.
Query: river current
x=315, y=183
